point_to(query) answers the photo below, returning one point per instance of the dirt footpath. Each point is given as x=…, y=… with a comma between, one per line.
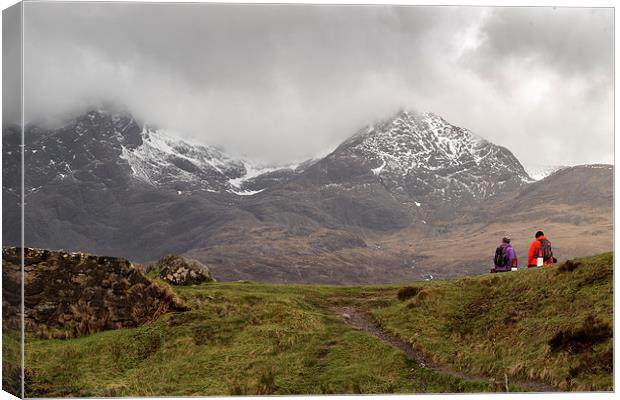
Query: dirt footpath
x=362, y=321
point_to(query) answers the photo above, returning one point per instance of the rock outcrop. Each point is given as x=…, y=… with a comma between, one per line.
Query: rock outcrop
x=178, y=270
x=73, y=294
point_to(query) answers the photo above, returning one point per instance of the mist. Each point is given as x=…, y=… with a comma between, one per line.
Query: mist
x=283, y=83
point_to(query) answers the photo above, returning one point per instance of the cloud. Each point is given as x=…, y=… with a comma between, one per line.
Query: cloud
x=281, y=83
x=11, y=65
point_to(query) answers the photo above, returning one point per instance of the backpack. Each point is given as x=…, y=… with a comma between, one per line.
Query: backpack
x=545, y=250
x=501, y=258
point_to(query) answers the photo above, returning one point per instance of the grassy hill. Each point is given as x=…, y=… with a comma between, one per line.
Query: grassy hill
x=551, y=326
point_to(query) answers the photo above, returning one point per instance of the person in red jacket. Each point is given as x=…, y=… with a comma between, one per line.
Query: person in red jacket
x=540, y=252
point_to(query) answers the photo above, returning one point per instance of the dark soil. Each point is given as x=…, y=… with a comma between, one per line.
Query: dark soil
x=407, y=293
x=582, y=339
x=569, y=266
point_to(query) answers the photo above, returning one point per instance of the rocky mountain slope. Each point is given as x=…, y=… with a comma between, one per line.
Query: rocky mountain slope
x=425, y=157
x=408, y=170
x=82, y=194
x=112, y=146
x=109, y=184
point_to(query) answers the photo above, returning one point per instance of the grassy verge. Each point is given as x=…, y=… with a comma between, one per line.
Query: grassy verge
x=552, y=324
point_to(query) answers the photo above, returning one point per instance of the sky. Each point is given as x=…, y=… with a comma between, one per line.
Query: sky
x=282, y=83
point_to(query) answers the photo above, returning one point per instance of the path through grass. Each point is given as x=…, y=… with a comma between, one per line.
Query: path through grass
x=249, y=338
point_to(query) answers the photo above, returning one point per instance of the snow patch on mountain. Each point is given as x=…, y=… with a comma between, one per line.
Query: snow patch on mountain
x=256, y=170
x=539, y=172
x=246, y=192
x=165, y=161
x=377, y=171
x=162, y=160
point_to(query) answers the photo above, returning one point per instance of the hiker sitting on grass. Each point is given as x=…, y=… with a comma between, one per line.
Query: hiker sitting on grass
x=540, y=252
x=505, y=257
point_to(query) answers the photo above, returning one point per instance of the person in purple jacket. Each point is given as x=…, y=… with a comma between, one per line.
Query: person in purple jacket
x=505, y=257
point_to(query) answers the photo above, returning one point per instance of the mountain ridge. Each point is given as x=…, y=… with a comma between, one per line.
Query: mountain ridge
x=108, y=184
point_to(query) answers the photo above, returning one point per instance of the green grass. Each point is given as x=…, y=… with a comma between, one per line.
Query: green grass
x=11, y=361
x=237, y=339
x=250, y=338
x=499, y=324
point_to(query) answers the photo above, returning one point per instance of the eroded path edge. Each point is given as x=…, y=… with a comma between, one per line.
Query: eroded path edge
x=363, y=321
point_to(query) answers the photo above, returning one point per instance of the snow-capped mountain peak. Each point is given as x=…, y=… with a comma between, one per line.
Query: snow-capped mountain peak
x=411, y=140
x=423, y=154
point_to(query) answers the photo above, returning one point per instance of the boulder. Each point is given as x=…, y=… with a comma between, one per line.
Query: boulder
x=179, y=270
x=74, y=294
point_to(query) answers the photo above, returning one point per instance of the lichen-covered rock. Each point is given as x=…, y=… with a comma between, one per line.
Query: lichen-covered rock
x=178, y=270
x=73, y=294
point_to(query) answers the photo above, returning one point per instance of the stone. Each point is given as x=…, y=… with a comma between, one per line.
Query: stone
x=179, y=270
